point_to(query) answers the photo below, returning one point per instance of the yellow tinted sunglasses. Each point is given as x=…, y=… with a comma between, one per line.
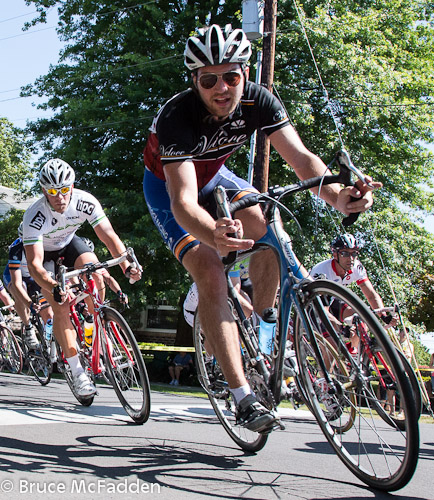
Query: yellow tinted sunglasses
x=63, y=190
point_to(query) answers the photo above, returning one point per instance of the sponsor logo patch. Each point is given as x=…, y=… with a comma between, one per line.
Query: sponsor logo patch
x=238, y=124
x=54, y=222
x=38, y=221
x=85, y=206
x=279, y=116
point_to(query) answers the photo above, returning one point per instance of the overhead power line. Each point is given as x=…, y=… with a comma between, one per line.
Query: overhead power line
x=28, y=33
x=16, y=17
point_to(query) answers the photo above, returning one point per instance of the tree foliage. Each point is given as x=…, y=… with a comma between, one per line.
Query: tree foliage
x=14, y=156
x=121, y=62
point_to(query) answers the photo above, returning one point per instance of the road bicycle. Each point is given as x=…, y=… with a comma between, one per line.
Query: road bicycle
x=379, y=374
x=341, y=399
x=10, y=351
x=39, y=361
x=114, y=352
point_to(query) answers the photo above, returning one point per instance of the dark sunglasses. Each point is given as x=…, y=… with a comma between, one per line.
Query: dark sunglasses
x=208, y=80
x=345, y=253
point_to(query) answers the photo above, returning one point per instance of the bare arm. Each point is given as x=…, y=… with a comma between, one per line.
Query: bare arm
x=105, y=232
x=374, y=300
x=306, y=165
x=6, y=298
x=18, y=287
x=35, y=262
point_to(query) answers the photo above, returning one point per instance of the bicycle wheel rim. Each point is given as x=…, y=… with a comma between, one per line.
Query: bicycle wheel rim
x=213, y=382
x=125, y=365
x=66, y=370
x=11, y=351
x=39, y=362
x=378, y=455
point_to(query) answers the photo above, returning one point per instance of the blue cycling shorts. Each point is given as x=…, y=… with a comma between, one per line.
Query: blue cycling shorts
x=157, y=198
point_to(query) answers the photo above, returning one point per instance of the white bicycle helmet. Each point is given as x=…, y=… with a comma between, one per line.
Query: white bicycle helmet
x=215, y=45
x=89, y=243
x=56, y=174
x=345, y=241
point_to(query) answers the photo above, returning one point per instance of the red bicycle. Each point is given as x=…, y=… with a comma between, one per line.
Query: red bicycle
x=114, y=354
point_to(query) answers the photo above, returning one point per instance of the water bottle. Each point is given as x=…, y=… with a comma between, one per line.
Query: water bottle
x=49, y=330
x=267, y=329
x=88, y=330
x=53, y=351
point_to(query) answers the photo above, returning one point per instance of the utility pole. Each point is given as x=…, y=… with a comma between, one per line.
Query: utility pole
x=269, y=44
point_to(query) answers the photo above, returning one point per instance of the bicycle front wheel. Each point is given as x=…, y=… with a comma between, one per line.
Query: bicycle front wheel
x=64, y=368
x=39, y=360
x=125, y=365
x=214, y=383
x=381, y=458
x=10, y=351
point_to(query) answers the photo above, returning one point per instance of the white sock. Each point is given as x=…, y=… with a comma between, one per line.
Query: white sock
x=75, y=365
x=240, y=393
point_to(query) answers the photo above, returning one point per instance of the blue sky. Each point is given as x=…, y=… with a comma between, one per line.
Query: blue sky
x=24, y=56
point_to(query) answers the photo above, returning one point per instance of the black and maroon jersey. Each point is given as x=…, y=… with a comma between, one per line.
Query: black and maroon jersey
x=184, y=130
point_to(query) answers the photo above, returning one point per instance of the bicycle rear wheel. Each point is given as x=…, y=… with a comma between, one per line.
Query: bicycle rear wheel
x=125, y=365
x=214, y=383
x=10, y=351
x=382, y=459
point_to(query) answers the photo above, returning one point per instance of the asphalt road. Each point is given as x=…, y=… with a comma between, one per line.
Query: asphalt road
x=51, y=447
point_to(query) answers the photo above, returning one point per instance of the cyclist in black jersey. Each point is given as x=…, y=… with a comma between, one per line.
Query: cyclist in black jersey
x=191, y=137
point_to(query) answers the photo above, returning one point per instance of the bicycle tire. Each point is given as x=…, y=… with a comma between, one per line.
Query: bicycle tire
x=125, y=366
x=64, y=368
x=382, y=459
x=214, y=384
x=39, y=361
x=393, y=420
x=11, y=354
x=342, y=418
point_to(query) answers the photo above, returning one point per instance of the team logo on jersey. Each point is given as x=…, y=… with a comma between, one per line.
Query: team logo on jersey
x=38, y=221
x=238, y=124
x=85, y=206
x=54, y=222
x=170, y=151
x=279, y=116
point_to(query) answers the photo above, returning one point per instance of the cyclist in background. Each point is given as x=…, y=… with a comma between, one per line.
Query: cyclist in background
x=345, y=268
x=22, y=286
x=107, y=277
x=5, y=298
x=191, y=138
x=49, y=228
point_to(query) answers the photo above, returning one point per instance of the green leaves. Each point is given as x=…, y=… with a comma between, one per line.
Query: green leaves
x=14, y=156
x=123, y=60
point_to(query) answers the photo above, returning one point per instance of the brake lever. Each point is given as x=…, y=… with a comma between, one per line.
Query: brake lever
x=343, y=159
x=223, y=205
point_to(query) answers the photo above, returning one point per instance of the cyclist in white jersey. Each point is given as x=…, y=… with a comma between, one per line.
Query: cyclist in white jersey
x=49, y=227
x=345, y=268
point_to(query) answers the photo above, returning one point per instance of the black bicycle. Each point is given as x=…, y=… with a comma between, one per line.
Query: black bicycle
x=10, y=351
x=337, y=390
x=39, y=361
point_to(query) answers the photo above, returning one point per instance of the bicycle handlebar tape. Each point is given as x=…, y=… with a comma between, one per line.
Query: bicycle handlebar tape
x=56, y=294
x=351, y=219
